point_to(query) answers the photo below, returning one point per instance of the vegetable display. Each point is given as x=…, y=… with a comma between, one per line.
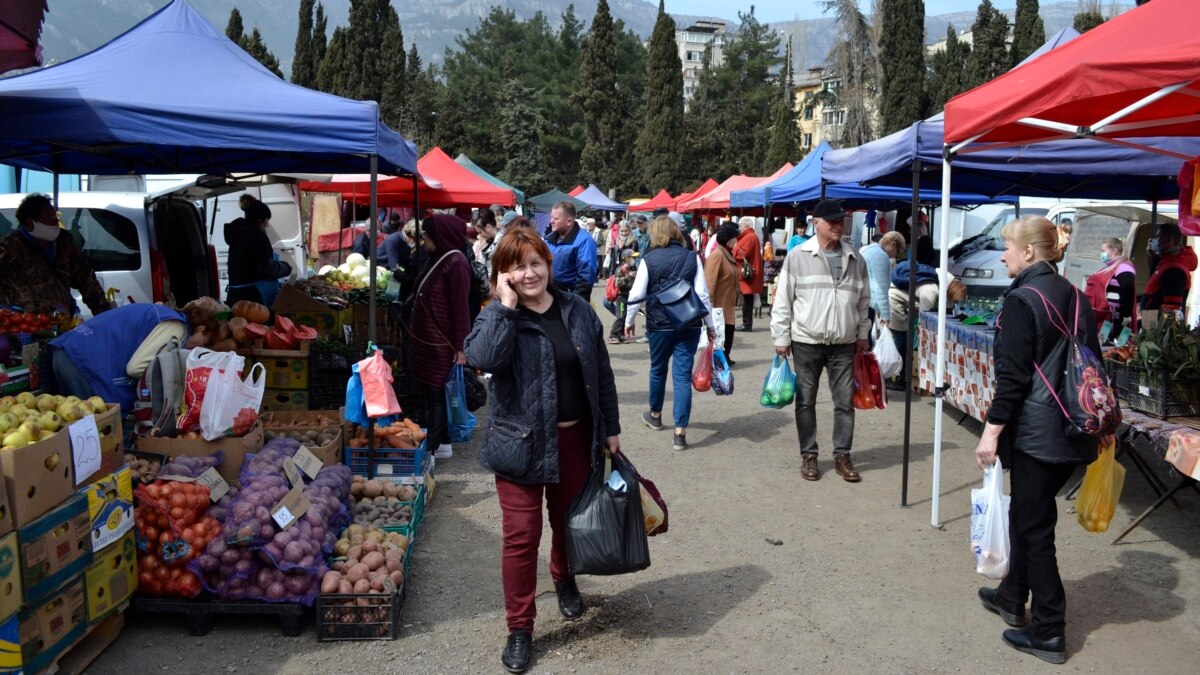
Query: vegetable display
x=369, y=561
x=405, y=434
x=145, y=470
x=172, y=529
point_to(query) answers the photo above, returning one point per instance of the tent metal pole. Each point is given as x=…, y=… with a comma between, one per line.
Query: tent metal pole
x=1100, y=127
x=908, y=334
x=371, y=303
x=939, y=378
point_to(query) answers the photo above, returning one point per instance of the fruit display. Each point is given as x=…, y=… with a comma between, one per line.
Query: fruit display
x=245, y=327
x=354, y=273
x=404, y=434
x=323, y=290
x=14, y=321
x=309, y=439
x=26, y=419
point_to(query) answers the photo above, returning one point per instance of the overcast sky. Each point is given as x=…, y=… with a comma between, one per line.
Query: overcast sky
x=786, y=10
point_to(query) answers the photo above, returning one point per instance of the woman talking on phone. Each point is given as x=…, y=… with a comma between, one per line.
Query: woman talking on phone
x=553, y=413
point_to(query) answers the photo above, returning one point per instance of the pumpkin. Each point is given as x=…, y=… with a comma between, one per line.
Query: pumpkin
x=251, y=311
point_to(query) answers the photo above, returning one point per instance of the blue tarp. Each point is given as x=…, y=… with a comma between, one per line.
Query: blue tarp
x=174, y=95
x=803, y=184
x=1054, y=169
x=598, y=201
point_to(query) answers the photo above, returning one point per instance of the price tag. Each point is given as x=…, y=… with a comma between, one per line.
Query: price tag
x=1123, y=338
x=293, y=505
x=217, y=487
x=309, y=463
x=1105, y=331
x=292, y=473
x=1143, y=390
x=283, y=517
x=85, y=447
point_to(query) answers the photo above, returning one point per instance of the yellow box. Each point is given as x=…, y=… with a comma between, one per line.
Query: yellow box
x=11, y=592
x=110, y=507
x=49, y=629
x=112, y=578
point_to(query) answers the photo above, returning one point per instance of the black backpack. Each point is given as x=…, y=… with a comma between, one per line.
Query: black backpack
x=480, y=288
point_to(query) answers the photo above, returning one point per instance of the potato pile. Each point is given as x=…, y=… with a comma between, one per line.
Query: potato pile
x=380, y=503
x=309, y=439
x=361, y=488
x=145, y=470
x=315, y=420
x=369, y=561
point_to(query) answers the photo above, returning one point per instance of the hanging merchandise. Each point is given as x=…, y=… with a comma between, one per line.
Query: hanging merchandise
x=989, y=524
x=201, y=363
x=702, y=376
x=356, y=407
x=378, y=394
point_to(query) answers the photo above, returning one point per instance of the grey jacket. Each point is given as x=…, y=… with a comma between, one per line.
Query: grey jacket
x=521, y=439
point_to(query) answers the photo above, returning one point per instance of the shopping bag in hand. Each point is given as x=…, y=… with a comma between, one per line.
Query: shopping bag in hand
x=722, y=383
x=779, y=387
x=890, y=361
x=989, y=524
x=459, y=420
x=864, y=392
x=376, y=374
x=606, y=527
x=1102, y=485
x=702, y=376
x=231, y=405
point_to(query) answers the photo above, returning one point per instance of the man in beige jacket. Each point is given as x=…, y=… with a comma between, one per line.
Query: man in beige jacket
x=820, y=319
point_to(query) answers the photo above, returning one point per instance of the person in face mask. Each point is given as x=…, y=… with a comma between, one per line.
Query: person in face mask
x=1110, y=290
x=40, y=263
x=1168, y=286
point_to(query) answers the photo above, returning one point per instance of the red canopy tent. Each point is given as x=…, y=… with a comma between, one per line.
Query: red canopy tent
x=20, y=28
x=447, y=184
x=706, y=186
x=717, y=199
x=662, y=199
x=1137, y=74
x=575, y=192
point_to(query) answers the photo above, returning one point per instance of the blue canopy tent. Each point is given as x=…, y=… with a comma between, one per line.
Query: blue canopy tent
x=803, y=184
x=598, y=201
x=474, y=168
x=174, y=95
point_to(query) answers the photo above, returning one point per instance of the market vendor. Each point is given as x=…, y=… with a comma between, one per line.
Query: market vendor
x=40, y=263
x=254, y=267
x=107, y=355
x=1167, y=289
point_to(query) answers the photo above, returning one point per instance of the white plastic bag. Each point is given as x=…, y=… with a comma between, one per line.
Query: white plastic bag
x=718, y=317
x=891, y=363
x=201, y=365
x=232, y=403
x=989, y=524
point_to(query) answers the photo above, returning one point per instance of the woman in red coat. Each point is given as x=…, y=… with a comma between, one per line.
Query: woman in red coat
x=440, y=320
x=749, y=248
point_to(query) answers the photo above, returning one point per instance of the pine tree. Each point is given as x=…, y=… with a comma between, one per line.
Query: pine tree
x=234, y=29
x=1089, y=16
x=989, y=55
x=947, y=70
x=784, y=144
x=902, y=56
x=660, y=142
x=1029, y=32
x=521, y=128
x=319, y=40
x=304, y=72
x=599, y=160
x=254, y=46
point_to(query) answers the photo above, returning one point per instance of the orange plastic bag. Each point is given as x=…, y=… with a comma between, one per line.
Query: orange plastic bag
x=702, y=376
x=864, y=392
x=376, y=375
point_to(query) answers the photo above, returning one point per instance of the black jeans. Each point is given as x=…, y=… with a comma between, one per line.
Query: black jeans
x=748, y=310
x=436, y=417
x=1033, y=565
x=728, y=338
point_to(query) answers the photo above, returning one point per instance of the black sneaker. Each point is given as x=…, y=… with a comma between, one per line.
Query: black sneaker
x=570, y=602
x=651, y=421
x=518, y=651
x=680, y=442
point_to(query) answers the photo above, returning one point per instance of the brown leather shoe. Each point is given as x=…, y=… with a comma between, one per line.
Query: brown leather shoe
x=808, y=468
x=845, y=468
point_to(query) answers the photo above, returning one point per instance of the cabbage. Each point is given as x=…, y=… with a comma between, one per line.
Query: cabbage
x=356, y=260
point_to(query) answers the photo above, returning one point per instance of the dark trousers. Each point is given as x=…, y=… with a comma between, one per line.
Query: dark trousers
x=728, y=338
x=838, y=361
x=748, y=310
x=521, y=509
x=436, y=417
x=1033, y=566
x=900, y=337
x=618, y=308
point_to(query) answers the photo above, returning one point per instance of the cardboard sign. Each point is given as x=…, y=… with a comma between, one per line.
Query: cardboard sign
x=289, y=509
x=85, y=447
x=217, y=487
x=293, y=474
x=309, y=463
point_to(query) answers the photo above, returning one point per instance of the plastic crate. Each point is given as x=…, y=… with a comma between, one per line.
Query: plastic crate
x=390, y=463
x=359, y=616
x=1156, y=392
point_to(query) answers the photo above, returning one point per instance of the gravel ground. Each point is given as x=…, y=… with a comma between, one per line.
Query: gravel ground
x=761, y=571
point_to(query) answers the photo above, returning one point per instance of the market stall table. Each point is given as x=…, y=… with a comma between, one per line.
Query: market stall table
x=1175, y=441
x=969, y=367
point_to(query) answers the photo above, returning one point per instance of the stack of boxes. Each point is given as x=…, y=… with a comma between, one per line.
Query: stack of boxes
x=286, y=377
x=67, y=557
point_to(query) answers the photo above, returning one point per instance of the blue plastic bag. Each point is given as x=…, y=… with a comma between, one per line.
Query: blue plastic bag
x=779, y=387
x=459, y=420
x=722, y=382
x=356, y=405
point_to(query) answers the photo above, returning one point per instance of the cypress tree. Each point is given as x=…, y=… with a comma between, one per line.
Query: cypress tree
x=357, y=64
x=599, y=160
x=1029, y=32
x=521, y=128
x=254, y=46
x=947, y=70
x=902, y=56
x=631, y=74
x=417, y=114
x=331, y=76
x=989, y=55
x=234, y=29
x=660, y=145
x=392, y=58
x=319, y=40
x=304, y=72
x=784, y=144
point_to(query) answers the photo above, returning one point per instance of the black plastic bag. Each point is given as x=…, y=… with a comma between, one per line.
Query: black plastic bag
x=606, y=530
x=477, y=394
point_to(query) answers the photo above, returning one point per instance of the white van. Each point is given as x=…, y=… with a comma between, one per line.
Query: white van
x=286, y=231
x=149, y=247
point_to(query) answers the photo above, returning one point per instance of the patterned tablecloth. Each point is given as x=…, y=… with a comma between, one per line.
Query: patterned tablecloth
x=969, y=370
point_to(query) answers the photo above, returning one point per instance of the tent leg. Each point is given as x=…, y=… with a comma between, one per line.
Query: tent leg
x=940, y=370
x=906, y=376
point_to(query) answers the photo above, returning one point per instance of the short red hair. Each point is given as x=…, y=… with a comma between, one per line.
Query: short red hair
x=514, y=247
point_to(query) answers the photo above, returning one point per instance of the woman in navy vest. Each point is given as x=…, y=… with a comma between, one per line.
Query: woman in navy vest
x=668, y=261
x=1026, y=429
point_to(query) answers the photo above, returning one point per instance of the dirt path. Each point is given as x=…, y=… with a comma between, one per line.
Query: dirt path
x=858, y=584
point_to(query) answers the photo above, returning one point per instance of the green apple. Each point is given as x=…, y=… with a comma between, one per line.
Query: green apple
x=16, y=439
x=97, y=404
x=50, y=421
x=27, y=399
x=19, y=410
x=73, y=400
x=45, y=403
x=69, y=412
x=8, y=422
x=31, y=429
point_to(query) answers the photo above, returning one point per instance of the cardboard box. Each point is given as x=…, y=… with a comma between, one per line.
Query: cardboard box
x=38, y=477
x=284, y=400
x=233, y=449
x=305, y=311
x=111, y=579
x=112, y=449
x=49, y=629
x=10, y=646
x=6, y=521
x=283, y=372
x=110, y=507
x=11, y=594
x=55, y=548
